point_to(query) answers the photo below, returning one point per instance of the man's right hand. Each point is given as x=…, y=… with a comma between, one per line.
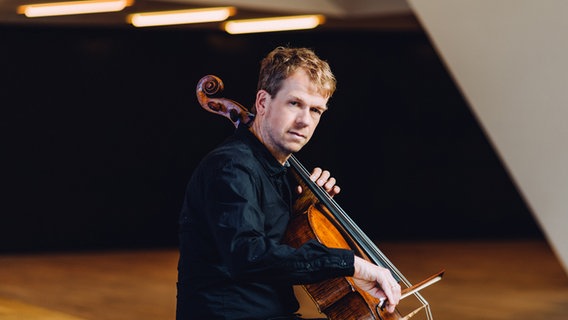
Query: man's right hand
x=377, y=281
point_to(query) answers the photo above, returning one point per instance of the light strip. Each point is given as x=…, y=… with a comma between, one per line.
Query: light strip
x=148, y=19
x=273, y=24
x=72, y=7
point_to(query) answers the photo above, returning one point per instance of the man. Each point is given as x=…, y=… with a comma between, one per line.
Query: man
x=232, y=263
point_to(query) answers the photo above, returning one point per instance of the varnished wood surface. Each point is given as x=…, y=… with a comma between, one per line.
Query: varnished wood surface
x=489, y=280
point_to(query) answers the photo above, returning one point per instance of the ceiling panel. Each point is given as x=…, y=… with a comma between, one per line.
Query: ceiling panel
x=340, y=14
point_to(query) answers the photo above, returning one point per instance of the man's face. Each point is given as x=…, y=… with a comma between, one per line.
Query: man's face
x=292, y=115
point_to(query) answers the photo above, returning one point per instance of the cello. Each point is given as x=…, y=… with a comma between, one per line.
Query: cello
x=316, y=215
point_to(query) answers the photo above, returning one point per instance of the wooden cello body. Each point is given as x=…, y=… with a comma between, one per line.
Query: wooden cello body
x=318, y=216
x=336, y=298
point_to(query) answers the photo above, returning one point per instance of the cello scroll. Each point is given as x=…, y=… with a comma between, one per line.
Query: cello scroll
x=234, y=111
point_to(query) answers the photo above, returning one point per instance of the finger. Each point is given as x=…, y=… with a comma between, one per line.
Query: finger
x=316, y=173
x=391, y=289
x=334, y=191
x=324, y=178
x=396, y=294
x=328, y=185
x=331, y=187
x=393, y=296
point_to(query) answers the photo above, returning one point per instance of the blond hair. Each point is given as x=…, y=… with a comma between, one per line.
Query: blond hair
x=282, y=62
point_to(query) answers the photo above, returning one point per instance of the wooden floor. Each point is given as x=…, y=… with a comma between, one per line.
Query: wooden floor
x=489, y=280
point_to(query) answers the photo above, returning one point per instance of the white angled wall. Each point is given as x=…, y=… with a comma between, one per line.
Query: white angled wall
x=510, y=60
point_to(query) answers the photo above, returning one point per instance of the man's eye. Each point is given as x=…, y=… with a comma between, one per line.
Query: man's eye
x=316, y=110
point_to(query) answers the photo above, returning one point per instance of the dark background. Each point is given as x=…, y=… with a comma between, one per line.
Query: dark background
x=101, y=130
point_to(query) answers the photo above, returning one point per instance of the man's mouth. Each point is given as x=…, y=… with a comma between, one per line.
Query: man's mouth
x=299, y=135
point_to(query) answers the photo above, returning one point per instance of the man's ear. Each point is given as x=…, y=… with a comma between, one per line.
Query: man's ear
x=262, y=98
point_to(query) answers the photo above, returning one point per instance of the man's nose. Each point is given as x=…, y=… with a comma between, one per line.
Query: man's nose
x=304, y=117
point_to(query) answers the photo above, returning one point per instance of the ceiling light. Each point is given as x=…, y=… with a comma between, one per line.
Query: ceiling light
x=159, y=18
x=72, y=7
x=273, y=24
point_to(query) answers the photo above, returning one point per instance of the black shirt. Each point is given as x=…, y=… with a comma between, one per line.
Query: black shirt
x=232, y=263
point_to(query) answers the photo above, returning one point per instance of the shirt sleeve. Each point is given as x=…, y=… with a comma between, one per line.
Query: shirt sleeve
x=251, y=251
